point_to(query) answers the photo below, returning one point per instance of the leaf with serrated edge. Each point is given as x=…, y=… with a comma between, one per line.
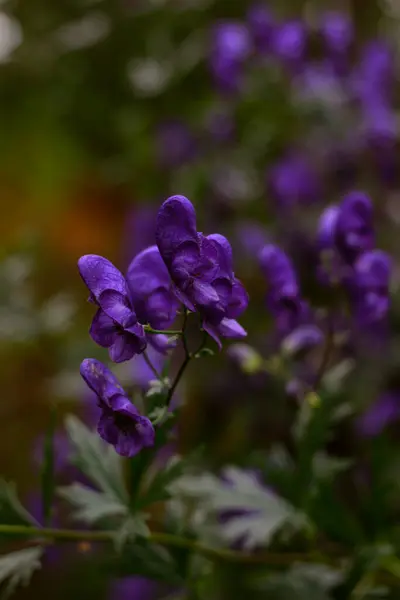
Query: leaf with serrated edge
x=17, y=568
x=92, y=505
x=263, y=511
x=96, y=459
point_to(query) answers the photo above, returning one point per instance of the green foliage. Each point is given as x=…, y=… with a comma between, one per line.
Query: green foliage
x=92, y=506
x=17, y=569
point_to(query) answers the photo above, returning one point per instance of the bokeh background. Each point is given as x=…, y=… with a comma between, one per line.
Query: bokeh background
x=107, y=107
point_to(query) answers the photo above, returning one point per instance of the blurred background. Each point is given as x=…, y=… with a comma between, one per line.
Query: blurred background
x=260, y=113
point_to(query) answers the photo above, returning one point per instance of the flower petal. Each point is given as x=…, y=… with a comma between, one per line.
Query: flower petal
x=116, y=306
x=238, y=301
x=327, y=227
x=103, y=330
x=230, y=328
x=99, y=274
x=124, y=348
x=175, y=224
x=107, y=428
x=100, y=379
x=225, y=256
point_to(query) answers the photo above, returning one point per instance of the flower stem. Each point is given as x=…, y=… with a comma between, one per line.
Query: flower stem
x=150, y=330
x=151, y=366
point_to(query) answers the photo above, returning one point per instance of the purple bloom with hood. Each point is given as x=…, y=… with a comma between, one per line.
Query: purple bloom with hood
x=115, y=325
x=370, y=286
x=347, y=228
x=120, y=423
x=151, y=289
x=231, y=46
x=201, y=268
x=293, y=181
x=284, y=298
x=261, y=25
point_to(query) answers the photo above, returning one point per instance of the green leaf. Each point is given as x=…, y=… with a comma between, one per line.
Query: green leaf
x=11, y=510
x=133, y=527
x=17, y=568
x=47, y=471
x=91, y=505
x=263, y=512
x=96, y=459
x=303, y=582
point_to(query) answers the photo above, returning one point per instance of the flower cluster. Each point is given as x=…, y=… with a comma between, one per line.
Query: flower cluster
x=184, y=268
x=346, y=242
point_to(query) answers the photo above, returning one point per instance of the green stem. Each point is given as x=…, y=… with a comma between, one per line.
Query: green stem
x=151, y=366
x=149, y=329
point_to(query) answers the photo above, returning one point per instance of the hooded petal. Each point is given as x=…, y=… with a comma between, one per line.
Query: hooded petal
x=238, y=301
x=355, y=232
x=100, y=379
x=151, y=290
x=225, y=256
x=103, y=330
x=230, y=328
x=175, y=224
x=99, y=274
x=124, y=348
x=116, y=306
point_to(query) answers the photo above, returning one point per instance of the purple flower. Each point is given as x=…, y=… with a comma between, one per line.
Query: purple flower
x=337, y=32
x=301, y=339
x=261, y=25
x=374, y=77
x=348, y=227
x=370, y=286
x=120, y=423
x=230, y=47
x=201, y=269
x=115, y=325
x=289, y=43
x=151, y=289
x=283, y=298
x=379, y=415
x=293, y=181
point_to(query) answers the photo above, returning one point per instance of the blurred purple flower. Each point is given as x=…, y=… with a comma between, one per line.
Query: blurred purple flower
x=301, y=339
x=137, y=588
x=293, y=181
x=175, y=144
x=283, y=297
x=230, y=46
x=379, y=415
x=261, y=25
x=373, y=79
x=151, y=289
x=252, y=237
x=201, y=269
x=289, y=43
x=348, y=227
x=115, y=325
x=120, y=423
x=337, y=32
x=370, y=286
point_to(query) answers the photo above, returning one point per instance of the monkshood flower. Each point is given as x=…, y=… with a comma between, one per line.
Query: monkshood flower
x=347, y=228
x=289, y=43
x=337, y=33
x=201, y=268
x=370, y=287
x=115, y=325
x=261, y=25
x=120, y=423
x=384, y=411
x=284, y=299
x=151, y=289
x=231, y=46
x=293, y=181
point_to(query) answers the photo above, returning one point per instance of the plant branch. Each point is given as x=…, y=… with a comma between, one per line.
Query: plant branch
x=151, y=366
x=150, y=330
